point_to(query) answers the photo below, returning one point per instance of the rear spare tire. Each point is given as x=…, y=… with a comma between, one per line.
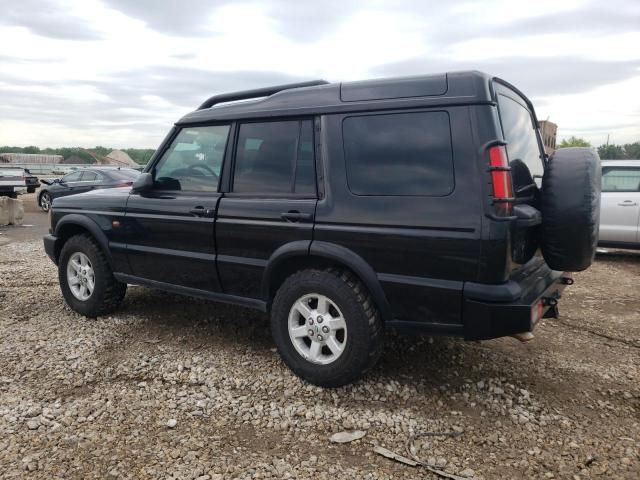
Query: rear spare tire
x=570, y=208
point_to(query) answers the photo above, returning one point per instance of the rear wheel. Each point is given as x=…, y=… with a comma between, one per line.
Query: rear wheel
x=45, y=201
x=326, y=327
x=86, y=279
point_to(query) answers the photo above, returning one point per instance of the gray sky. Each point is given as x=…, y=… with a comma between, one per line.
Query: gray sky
x=120, y=72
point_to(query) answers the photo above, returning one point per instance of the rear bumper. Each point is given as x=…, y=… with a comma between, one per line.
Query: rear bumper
x=492, y=311
x=50, y=247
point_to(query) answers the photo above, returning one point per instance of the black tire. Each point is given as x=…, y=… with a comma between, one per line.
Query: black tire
x=364, y=342
x=31, y=189
x=570, y=208
x=107, y=294
x=45, y=207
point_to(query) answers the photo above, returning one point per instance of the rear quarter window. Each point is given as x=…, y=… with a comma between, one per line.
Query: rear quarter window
x=399, y=154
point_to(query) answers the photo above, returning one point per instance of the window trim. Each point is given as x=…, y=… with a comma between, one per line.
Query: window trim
x=292, y=194
x=399, y=112
x=166, y=145
x=619, y=167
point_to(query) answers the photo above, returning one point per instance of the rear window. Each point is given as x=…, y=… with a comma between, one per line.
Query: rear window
x=10, y=172
x=124, y=174
x=520, y=134
x=399, y=154
x=620, y=179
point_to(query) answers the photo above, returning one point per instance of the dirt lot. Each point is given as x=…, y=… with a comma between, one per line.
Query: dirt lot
x=84, y=398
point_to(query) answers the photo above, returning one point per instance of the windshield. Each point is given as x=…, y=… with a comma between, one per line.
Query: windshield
x=519, y=131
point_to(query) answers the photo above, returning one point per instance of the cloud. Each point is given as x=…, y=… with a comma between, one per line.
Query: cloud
x=309, y=21
x=591, y=19
x=188, y=18
x=536, y=77
x=47, y=19
x=184, y=87
x=142, y=104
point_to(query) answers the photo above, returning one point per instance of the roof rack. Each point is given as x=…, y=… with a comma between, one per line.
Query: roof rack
x=257, y=93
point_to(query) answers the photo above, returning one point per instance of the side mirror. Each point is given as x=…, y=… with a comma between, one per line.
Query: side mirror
x=143, y=183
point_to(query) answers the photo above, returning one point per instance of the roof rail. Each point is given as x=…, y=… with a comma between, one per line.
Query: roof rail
x=257, y=93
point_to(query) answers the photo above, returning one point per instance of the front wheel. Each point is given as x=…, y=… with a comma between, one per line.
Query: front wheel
x=86, y=279
x=45, y=201
x=326, y=327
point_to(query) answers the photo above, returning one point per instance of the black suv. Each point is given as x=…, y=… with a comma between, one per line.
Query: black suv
x=425, y=203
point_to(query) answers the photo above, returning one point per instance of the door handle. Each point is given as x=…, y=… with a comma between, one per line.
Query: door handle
x=628, y=203
x=296, y=216
x=201, y=211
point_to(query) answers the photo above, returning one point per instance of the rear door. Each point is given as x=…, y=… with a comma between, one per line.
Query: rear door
x=170, y=229
x=620, y=205
x=271, y=200
x=86, y=183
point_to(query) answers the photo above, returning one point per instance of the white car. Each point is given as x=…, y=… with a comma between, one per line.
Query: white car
x=620, y=207
x=12, y=181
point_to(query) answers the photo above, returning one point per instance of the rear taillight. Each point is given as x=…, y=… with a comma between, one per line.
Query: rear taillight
x=124, y=184
x=536, y=311
x=501, y=181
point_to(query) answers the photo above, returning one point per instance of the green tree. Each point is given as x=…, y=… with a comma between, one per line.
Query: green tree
x=611, y=152
x=104, y=151
x=140, y=155
x=632, y=150
x=573, y=141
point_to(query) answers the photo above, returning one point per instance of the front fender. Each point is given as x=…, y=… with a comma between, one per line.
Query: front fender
x=78, y=220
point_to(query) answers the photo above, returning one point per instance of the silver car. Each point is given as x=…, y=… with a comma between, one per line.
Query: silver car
x=620, y=208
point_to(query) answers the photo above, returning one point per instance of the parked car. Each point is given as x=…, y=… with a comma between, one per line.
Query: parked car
x=84, y=180
x=14, y=180
x=620, y=215
x=343, y=209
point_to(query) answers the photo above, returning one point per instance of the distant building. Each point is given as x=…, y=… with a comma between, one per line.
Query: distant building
x=32, y=158
x=548, y=130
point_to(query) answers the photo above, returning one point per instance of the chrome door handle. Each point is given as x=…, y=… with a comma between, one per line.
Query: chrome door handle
x=202, y=212
x=628, y=203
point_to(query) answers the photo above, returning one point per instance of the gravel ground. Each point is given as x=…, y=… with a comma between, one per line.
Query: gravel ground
x=171, y=387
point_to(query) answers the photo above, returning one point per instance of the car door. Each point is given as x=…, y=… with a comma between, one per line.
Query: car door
x=271, y=200
x=170, y=229
x=620, y=205
x=68, y=184
x=86, y=183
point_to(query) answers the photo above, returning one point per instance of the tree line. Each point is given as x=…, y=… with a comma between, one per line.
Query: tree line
x=607, y=151
x=138, y=155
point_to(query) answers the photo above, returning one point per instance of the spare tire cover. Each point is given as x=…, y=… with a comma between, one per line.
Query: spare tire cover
x=570, y=206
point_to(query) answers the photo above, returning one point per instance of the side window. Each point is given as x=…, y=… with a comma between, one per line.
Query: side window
x=399, y=154
x=275, y=158
x=72, y=177
x=620, y=179
x=89, y=176
x=194, y=160
x=520, y=134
